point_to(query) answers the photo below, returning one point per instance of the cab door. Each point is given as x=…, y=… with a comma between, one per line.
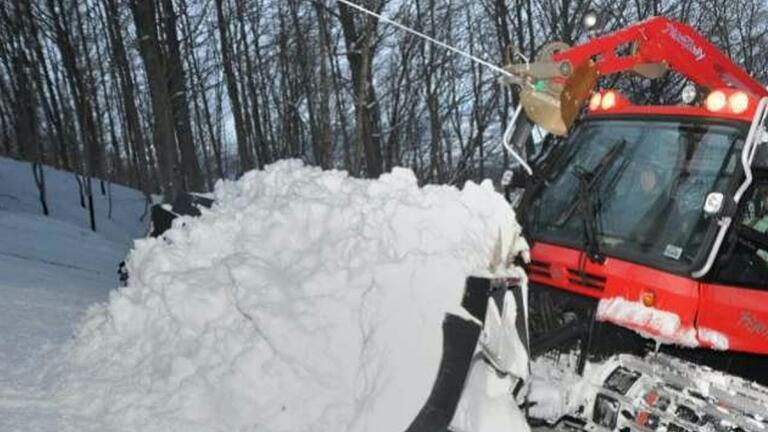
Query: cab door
x=733, y=308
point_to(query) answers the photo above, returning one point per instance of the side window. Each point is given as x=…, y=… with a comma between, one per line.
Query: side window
x=745, y=261
x=755, y=214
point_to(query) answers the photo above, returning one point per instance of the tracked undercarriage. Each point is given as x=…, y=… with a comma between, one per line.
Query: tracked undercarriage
x=663, y=393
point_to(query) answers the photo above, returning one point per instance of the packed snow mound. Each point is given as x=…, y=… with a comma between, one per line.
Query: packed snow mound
x=304, y=300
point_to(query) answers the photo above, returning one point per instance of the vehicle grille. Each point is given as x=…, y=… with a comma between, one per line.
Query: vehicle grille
x=540, y=268
x=586, y=280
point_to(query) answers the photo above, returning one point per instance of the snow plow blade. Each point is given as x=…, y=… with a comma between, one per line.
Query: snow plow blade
x=460, y=342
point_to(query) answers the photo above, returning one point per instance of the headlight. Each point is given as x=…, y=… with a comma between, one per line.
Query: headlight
x=689, y=94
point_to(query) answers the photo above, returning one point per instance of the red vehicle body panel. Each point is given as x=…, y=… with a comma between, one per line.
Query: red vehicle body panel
x=707, y=315
x=675, y=111
x=740, y=314
x=710, y=316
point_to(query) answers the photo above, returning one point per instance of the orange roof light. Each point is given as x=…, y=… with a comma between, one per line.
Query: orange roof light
x=738, y=102
x=729, y=101
x=607, y=100
x=594, y=102
x=716, y=101
x=719, y=102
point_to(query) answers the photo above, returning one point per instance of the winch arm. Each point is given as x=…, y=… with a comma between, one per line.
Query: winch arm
x=656, y=41
x=555, y=87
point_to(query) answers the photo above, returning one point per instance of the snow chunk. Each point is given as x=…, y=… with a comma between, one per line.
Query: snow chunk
x=659, y=325
x=556, y=389
x=713, y=339
x=303, y=300
x=487, y=404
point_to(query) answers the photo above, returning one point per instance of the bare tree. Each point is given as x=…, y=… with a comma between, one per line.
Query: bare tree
x=245, y=151
x=359, y=36
x=169, y=95
x=192, y=176
x=145, y=18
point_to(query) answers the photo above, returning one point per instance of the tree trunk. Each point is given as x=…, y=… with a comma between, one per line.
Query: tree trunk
x=203, y=115
x=85, y=116
x=360, y=58
x=125, y=80
x=50, y=104
x=180, y=103
x=259, y=145
x=95, y=150
x=244, y=150
x=324, y=145
x=38, y=172
x=4, y=127
x=145, y=18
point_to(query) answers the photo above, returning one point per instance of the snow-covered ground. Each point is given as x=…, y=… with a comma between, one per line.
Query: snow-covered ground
x=303, y=301
x=51, y=269
x=18, y=194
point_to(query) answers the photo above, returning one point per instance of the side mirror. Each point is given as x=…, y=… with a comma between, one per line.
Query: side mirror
x=513, y=178
x=713, y=203
x=511, y=182
x=506, y=178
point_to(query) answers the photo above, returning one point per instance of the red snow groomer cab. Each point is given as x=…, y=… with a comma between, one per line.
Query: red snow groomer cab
x=653, y=218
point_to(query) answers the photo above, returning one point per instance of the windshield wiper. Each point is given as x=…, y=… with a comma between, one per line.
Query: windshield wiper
x=588, y=204
x=588, y=199
x=592, y=177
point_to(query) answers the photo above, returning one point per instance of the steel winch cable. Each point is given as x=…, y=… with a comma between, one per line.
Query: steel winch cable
x=478, y=60
x=428, y=38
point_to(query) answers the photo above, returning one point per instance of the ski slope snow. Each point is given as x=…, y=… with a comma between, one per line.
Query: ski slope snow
x=51, y=270
x=18, y=194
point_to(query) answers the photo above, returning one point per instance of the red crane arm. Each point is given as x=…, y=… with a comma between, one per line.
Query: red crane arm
x=661, y=40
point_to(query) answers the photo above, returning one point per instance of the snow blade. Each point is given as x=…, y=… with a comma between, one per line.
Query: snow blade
x=459, y=341
x=475, y=301
x=476, y=294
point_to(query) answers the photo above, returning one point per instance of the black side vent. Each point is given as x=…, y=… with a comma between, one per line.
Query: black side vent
x=539, y=268
x=586, y=280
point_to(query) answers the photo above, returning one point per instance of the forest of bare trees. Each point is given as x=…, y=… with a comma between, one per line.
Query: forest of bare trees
x=170, y=95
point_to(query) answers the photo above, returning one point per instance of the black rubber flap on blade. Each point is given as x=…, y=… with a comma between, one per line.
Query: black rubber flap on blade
x=187, y=204
x=521, y=320
x=476, y=293
x=162, y=220
x=459, y=341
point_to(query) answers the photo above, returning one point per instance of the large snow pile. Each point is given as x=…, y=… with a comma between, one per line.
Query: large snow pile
x=303, y=301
